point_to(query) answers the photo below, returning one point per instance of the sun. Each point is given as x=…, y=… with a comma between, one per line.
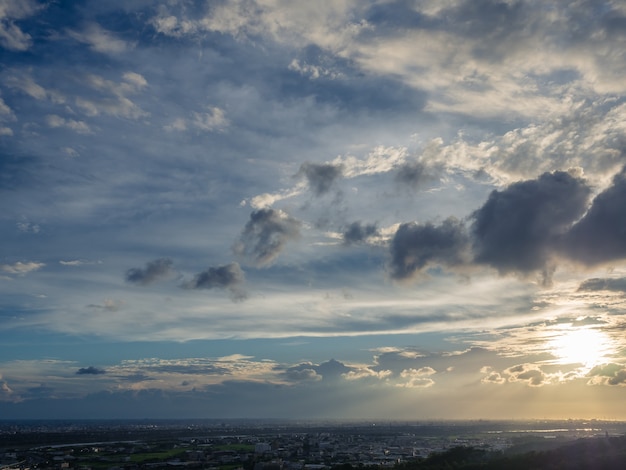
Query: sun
x=586, y=346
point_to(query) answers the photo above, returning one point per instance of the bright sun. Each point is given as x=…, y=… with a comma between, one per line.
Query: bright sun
x=585, y=346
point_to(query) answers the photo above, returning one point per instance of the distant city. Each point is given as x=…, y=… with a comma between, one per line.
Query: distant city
x=273, y=445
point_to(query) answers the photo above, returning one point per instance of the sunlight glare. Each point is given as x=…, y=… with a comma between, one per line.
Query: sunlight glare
x=585, y=346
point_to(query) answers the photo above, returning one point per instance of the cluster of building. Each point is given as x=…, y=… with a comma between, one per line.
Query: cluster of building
x=257, y=451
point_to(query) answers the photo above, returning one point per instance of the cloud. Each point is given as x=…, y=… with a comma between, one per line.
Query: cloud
x=154, y=271
x=11, y=36
x=379, y=160
x=113, y=99
x=329, y=370
x=415, y=174
x=600, y=284
x=599, y=237
x=417, y=378
x=6, y=392
x=367, y=373
x=608, y=374
x=357, y=232
x=6, y=113
x=77, y=126
x=586, y=321
x=91, y=370
x=492, y=376
x=213, y=120
x=321, y=177
x=417, y=246
x=109, y=305
x=299, y=374
x=265, y=236
x=529, y=373
x=27, y=84
x=229, y=276
x=100, y=40
x=74, y=262
x=27, y=227
x=21, y=268
x=178, y=124
x=519, y=228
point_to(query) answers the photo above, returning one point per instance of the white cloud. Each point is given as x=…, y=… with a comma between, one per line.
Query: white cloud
x=114, y=100
x=378, y=160
x=11, y=36
x=172, y=26
x=213, y=120
x=312, y=71
x=178, y=124
x=135, y=79
x=267, y=200
x=326, y=23
x=100, y=40
x=70, y=152
x=366, y=372
x=451, y=63
x=80, y=127
x=6, y=113
x=72, y=263
x=27, y=227
x=417, y=378
x=21, y=268
x=26, y=84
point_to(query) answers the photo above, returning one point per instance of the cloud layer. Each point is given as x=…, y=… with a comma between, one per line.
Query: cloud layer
x=408, y=225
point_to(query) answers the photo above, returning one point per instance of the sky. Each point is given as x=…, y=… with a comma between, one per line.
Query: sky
x=399, y=210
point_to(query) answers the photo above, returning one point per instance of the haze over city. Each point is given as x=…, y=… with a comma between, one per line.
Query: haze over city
x=325, y=209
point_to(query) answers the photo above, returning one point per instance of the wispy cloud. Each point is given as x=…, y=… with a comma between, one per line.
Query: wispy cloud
x=21, y=267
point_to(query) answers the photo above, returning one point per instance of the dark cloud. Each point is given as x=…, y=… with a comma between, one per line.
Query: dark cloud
x=329, y=370
x=332, y=369
x=229, y=276
x=599, y=284
x=415, y=246
x=600, y=236
x=154, y=271
x=519, y=228
x=523, y=228
x=298, y=374
x=527, y=373
x=585, y=321
x=42, y=391
x=357, y=232
x=265, y=236
x=609, y=374
x=415, y=174
x=91, y=370
x=320, y=177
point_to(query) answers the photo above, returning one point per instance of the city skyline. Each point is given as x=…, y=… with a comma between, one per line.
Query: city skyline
x=334, y=209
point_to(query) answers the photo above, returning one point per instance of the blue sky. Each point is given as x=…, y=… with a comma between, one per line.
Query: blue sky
x=346, y=209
